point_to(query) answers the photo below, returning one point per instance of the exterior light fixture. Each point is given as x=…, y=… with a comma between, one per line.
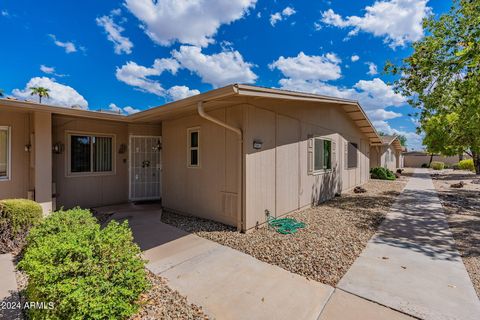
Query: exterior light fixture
x=257, y=144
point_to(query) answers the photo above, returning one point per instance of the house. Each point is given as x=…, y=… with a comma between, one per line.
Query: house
x=389, y=154
x=232, y=154
x=415, y=159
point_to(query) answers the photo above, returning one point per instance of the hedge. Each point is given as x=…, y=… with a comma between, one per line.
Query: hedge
x=466, y=165
x=17, y=216
x=437, y=165
x=86, y=271
x=382, y=174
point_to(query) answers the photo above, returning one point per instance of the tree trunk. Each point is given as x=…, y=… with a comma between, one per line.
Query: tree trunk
x=39, y=99
x=476, y=162
x=431, y=159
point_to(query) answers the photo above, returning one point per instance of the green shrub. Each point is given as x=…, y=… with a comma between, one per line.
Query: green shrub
x=466, y=165
x=382, y=174
x=86, y=271
x=17, y=216
x=437, y=165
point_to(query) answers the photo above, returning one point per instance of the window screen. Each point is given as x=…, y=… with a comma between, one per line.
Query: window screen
x=352, y=155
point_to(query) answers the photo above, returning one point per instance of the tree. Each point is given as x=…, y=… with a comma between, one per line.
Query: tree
x=441, y=78
x=1, y=93
x=41, y=92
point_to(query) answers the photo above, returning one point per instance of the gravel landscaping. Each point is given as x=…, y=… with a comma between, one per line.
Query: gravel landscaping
x=162, y=302
x=159, y=302
x=462, y=206
x=335, y=234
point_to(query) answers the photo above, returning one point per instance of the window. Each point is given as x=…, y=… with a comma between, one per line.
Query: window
x=4, y=153
x=193, y=136
x=90, y=154
x=322, y=154
x=352, y=159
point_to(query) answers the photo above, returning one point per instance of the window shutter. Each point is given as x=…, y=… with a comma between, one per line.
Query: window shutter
x=345, y=156
x=310, y=155
x=334, y=155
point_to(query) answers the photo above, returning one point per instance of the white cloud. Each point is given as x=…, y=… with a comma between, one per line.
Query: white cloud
x=181, y=92
x=5, y=13
x=355, y=58
x=305, y=67
x=48, y=70
x=218, y=69
x=372, y=68
x=279, y=16
x=191, y=22
x=114, y=108
x=138, y=76
x=68, y=45
x=414, y=140
x=397, y=21
x=128, y=109
x=114, y=33
x=60, y=94
x=372, y=94
x=382, y=114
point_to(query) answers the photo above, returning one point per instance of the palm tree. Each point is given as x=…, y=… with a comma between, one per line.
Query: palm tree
x=1, y=92
x=41, y=92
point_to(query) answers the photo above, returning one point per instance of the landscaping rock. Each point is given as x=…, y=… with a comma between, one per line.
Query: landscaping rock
x=359, y=190
x=460, y=184
x=336, y=233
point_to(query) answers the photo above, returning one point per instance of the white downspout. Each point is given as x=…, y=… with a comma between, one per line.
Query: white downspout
x=201, y=113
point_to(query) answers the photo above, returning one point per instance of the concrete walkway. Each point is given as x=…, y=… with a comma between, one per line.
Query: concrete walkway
x=411, y=264
x=8, y=289
x=229, y=284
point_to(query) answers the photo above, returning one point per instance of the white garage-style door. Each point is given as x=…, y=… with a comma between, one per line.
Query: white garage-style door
x=145, y=167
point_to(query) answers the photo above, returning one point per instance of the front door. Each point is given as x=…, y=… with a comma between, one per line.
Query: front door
x=145, y=167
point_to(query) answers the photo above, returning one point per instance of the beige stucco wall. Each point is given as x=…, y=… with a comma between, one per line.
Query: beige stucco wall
x=416, y=161
x=210, y=190
x=276, y=177
x=19, y=183
x=96, y=189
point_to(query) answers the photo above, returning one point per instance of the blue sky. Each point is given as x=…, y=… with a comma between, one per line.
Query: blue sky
x=135, y=54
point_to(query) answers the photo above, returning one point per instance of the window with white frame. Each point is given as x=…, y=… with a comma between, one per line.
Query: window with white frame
x=5, y=150
x=322, y=154
x=193, y=137
x=90, y=154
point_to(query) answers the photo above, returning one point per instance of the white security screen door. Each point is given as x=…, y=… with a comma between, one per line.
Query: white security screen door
x=145, y=167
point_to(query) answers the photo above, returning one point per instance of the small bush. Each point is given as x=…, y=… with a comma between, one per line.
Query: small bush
x=382, y=174
x=437, y=165
x=455, y=166
x=466, y=165
x=17, y=216
x=86, y=271
x=424, y=165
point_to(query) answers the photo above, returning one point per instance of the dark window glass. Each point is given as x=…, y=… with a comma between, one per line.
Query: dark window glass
x=193, y=139
x=327, y=154
x=194, y=157
x=80, y=154
x=352, y=155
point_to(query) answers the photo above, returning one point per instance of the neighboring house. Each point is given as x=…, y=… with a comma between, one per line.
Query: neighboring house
x=231, y=154
x=388, y=155
x=415, y=159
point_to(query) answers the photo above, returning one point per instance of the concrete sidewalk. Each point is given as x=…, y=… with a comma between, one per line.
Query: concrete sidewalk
x=8, y=289
x=411, y=263
x=229, y=284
